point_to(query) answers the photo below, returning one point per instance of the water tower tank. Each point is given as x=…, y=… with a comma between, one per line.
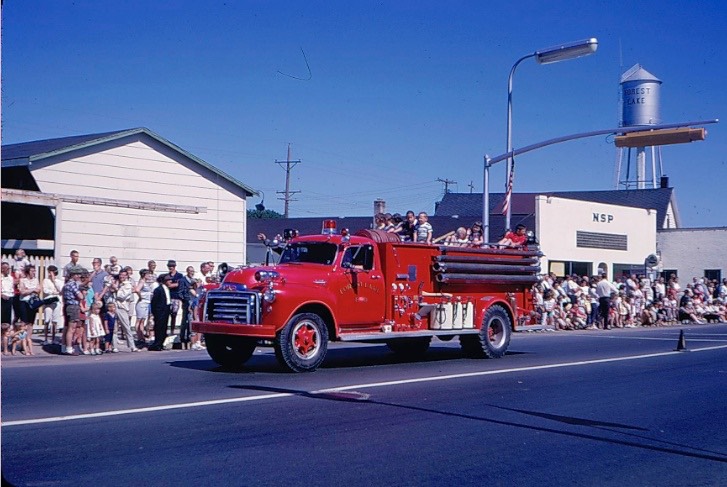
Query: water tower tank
x=640, y=94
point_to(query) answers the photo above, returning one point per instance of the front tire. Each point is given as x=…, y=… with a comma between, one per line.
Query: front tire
x=230, y=351
x=495, y=332
x=302, y=344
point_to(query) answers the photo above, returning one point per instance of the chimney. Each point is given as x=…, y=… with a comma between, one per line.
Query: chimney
x=664, y=183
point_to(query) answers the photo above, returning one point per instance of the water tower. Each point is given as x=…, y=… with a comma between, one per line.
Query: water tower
x=640, y=92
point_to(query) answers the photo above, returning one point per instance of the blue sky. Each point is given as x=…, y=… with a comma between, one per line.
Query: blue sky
x=399, y=94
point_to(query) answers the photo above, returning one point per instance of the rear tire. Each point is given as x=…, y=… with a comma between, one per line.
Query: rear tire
x=410, y=348
x=302, y=344
x=230, y=351
x=495, y=332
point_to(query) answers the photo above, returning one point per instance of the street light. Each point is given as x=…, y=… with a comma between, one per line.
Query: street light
x=660, y=137
x=551, y=55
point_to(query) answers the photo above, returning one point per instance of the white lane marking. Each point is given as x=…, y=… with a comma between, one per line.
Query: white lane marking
x=517, y=369
x=149, y=409
x=371, y=385
x=671, y=339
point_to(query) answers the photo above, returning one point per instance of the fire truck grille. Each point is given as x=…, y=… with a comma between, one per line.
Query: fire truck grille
x=233, y=307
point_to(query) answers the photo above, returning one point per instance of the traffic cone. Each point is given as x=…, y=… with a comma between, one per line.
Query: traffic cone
x=682, y=344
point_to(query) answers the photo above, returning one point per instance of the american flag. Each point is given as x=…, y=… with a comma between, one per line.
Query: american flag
x=508, y=189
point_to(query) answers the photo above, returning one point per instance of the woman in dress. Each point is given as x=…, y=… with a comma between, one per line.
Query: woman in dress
x=143, y=289
x=29, y=288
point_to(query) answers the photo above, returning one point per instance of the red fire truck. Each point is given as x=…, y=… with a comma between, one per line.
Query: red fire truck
x=368, y=287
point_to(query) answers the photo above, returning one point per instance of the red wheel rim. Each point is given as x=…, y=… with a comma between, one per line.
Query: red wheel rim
x=305, y=340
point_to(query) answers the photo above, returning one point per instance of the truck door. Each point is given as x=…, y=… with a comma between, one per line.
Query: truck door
x=361, y=297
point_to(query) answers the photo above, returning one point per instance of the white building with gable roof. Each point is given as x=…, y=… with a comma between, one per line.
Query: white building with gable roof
x=130, y=193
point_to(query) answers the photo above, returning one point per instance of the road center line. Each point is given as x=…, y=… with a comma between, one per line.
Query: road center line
x=150, y=409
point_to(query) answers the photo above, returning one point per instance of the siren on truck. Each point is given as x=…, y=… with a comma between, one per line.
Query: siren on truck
x=329, y=227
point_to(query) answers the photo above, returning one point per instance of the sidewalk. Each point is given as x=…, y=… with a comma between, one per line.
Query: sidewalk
x=40, y=349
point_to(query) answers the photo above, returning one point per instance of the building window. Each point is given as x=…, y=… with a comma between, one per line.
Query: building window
x=713, y=274
x=562, y=268
x=667, y=273
x=628, y=269
x=595, y=240
x=557, y=268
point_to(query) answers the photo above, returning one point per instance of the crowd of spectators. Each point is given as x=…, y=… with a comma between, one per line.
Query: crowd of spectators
x=93, y=310
x=96, y=309
x=581, y=302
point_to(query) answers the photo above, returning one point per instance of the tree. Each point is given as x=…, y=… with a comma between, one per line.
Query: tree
x=264, y=215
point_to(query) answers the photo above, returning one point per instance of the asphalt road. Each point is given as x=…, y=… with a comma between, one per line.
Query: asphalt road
x=569, y=408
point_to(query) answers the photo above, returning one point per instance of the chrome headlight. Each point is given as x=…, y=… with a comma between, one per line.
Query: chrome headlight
x=269, y=295
x=266, y=276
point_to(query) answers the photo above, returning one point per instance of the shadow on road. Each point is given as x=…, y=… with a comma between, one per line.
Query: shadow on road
x=336, y=358
x=632, y=440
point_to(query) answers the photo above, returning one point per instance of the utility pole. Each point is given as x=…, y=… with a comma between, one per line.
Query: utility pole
x=287, y=198
x=471, y=186
x=446, y=182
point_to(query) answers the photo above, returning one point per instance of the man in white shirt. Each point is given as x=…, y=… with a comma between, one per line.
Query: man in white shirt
x=604, y=288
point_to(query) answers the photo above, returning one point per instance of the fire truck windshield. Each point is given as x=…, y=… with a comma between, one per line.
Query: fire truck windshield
x=309, y=252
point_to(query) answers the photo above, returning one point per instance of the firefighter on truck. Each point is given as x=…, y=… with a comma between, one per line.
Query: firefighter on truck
x=368, y=287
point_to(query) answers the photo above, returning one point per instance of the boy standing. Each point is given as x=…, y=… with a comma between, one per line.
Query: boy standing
x=109, y=325
x=423, y=231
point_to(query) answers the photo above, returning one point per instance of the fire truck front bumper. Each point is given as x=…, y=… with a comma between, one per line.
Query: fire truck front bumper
x=257, y=331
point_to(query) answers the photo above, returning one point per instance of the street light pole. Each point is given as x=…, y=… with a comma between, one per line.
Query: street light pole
x=509, y=136
x=546, y=56
x=486, y=202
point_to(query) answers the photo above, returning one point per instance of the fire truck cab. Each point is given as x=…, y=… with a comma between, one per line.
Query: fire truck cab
x=368, y=287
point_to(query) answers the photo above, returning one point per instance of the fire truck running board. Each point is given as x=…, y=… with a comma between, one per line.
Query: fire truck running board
x=381, y=336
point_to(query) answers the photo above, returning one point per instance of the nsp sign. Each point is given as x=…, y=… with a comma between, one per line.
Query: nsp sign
x=602, y=218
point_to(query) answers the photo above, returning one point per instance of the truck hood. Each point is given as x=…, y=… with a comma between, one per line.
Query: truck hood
x=289, y=274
